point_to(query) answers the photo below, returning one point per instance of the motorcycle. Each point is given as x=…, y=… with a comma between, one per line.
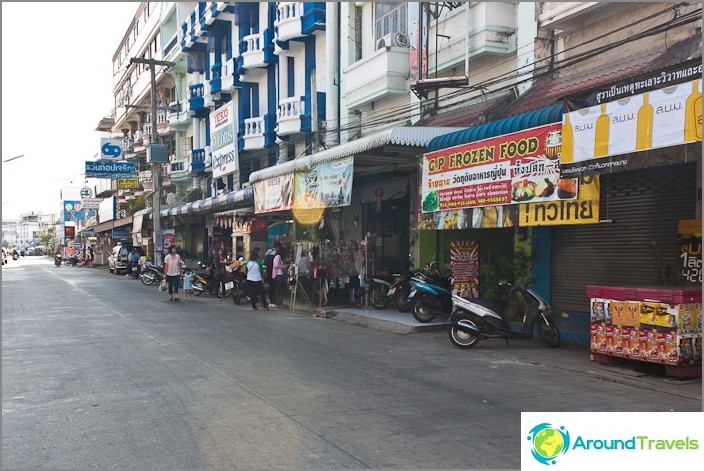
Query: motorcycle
x=234, y=281
x=151, y=274
x=473, y=320
x=57, y=260
x=203, y=281
x=430, y=294
x=378, y=290
x=71, y=261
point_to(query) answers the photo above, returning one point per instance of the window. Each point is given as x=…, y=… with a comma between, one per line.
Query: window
x=390, y=18
x=290, y=83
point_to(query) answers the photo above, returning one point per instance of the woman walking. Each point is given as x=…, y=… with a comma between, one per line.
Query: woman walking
x=255, y=281
x=172, y=270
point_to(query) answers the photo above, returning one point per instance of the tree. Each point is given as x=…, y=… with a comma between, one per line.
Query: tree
x=46, y=236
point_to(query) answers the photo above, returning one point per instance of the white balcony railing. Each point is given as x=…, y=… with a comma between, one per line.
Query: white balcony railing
x=253, y=56
x=254, y=133
x=383, y=74
x=288, y=115
x=288, y=20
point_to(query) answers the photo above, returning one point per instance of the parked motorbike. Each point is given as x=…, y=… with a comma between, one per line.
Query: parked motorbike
x=151, y=274
x=378, y=290
x=430, y=294
x=71, y=261
x=203, y=281
x=473, y=320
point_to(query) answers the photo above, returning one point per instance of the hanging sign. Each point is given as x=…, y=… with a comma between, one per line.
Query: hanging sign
x=509, y=169
x=273, y=194
x=127, y=183
x=583, y=210
x=661, y=118
x=111, y=169
x=110, y=149
x=91, y=203
x=223, y=140
x=464, y=267
x=326, y=185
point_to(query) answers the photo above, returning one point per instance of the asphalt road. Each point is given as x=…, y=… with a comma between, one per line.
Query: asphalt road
x=100, y=371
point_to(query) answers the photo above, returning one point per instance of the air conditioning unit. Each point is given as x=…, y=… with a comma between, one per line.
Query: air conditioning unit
x=393, y=39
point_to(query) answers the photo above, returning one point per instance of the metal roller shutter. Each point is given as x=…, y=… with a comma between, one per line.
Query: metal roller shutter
x=645, y=206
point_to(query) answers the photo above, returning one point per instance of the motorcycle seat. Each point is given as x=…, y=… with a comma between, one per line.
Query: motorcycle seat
x=497, y=306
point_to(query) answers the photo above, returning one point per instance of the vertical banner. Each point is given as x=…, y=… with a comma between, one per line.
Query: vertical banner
x=273, y=194
x=168, y=238
x=464, y=268
x=326, y=185
x=223, y=140
x=690, y=240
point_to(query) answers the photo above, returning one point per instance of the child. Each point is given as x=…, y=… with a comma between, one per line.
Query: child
x=188, y=283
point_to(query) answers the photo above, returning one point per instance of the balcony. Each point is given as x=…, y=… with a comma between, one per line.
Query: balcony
x=568, y=16
x=171, y=45
x=199, y=100
x=177, y=115
x=383, y=74
x=253, y=133
x=162, y=122
x=200, y=161
x=290, y=115
x=298, y=19
x=215, y=78
x=252, y=48
x=228, y=75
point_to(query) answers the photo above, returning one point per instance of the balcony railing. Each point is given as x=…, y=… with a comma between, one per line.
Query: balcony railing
x=197, y=160
x=254, y=133
x=288, y=20
x=288, y=115
x=197, y=97
x=170, y=45
x=252, y=48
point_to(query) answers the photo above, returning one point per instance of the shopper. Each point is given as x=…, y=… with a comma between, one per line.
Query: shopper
x=268, y=267
x=188, y=283
x=279, y=273
x=255, y=280
x=172, y=270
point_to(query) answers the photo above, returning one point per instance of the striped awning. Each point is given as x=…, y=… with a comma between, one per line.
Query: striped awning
x=226, y=201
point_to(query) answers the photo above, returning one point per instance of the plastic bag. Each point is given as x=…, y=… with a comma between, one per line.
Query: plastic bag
x=163, y=286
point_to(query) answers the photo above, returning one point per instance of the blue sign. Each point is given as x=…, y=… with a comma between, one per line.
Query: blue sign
x=121, y=234
x=110, y=149
x=111, y=169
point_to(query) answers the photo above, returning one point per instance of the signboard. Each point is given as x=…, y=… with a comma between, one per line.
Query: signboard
x=86, y=193
x=73, y=211
x=91, y=203
x=326, y=185
x=110, y=149
x=168, y=237
x=70, y=232
x=107, y=209
x=273, y=194
x=661, y=118
x=111, y=169
x=583, y=210
x=223, y=140
x=690, y=241
x=77, y=246
x=128, y=183
x=464, y=268
x=514, y=168
x=121, y=233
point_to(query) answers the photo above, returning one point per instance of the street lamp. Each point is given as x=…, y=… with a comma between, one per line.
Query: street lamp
x=155, y=153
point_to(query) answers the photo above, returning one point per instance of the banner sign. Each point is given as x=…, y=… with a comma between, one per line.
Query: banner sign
x=223, y=140
x=168, y=238
x=326, y=185
x=121, y=233
x=583, y=210
x=273, y=194
x=662, y=118
x=513, y=168
x=91, y=203
x=74, y=211
x=111, y=169
x=110, y=149
x=464, y=268
x=689, y=232
x=128, y=183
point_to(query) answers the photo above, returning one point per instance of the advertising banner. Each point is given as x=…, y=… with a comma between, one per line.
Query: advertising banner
x=689, y=232
x=653, y=120
x=91, y=203
x=509, y=169
x=223, y=140
x=168, y=238
x=110, y=149
x=583, y=210
x=326, y=185
x=464, y=268
x=273, y=194
x=74, y=211
x=127, y=183
x=111, y=169
x=120, y=233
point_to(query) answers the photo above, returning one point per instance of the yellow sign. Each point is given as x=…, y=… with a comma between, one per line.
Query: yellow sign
x=127, y=183
x=583, y=210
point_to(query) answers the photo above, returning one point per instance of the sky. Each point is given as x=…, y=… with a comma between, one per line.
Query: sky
x=56, y=86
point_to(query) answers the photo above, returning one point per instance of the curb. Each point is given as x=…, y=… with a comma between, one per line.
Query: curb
x=382, y=324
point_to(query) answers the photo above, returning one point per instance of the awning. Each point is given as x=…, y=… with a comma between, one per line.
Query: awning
x=138, y=218
x=113, y=223
x=551, y=114
x=403, y=136
x=225, y=201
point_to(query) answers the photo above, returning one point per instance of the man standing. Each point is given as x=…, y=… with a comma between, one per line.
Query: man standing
x=278, y=271
x=172, y=269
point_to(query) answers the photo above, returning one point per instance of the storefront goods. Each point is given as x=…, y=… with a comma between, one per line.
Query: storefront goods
x=509, y=169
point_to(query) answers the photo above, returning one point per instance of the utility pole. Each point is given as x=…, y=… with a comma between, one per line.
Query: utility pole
x=156, y=167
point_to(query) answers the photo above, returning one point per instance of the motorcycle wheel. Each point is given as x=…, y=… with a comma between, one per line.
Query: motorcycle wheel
x=378, y=297
x=198, y=288
x=148, y=278
x=238, y=294
x=402, y=302
x=462, y=339
x=421, y=311
x=549, y=333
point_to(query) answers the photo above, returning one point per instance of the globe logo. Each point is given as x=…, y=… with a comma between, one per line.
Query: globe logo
x=548, y=442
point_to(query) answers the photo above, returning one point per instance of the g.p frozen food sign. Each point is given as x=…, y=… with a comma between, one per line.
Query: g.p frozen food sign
x=223, y=141
x=514, y=168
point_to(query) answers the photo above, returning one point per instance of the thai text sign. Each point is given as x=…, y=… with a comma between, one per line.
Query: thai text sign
x=326, y=185
x=513, y=168
x=127, y=183
x=223, y=140
x=583, y=210
x=273, y=194
x=464, y=267
x=661, y=118
x=91, y=203
x=111, y=169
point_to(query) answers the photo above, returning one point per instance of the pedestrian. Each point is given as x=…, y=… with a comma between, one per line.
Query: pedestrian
x=268, y=266
x=279, y=273
x=172, y=270
x=188, y=283
x=255, y=280
x=320, y=279
x=92, y=254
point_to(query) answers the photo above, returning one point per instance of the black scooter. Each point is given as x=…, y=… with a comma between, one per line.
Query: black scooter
x=151, y=274
x=478, y=319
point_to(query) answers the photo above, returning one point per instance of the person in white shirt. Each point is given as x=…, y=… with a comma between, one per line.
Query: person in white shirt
x=172, y=270
x=255, y=280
